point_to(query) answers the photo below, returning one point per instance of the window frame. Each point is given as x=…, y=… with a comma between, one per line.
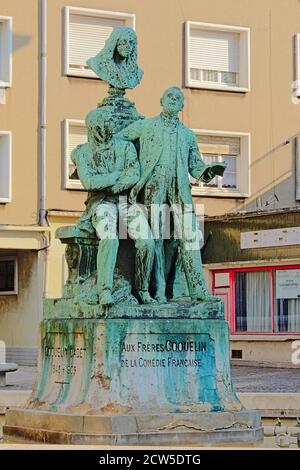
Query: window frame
x=70, y=184
x=6, y=61
x=15, y=259
x=8, y=176
x=69, y=10
x=296, y=84
x=244, y=56
x=231, y=292
x=243, y=189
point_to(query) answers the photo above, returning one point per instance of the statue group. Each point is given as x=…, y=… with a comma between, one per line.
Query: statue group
x=136, y=172
x=137, y=349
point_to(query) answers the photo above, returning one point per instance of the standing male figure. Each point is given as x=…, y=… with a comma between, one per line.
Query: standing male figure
x=168, y=154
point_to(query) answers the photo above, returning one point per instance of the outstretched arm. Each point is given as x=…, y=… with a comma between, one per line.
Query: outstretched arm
x=131, y=132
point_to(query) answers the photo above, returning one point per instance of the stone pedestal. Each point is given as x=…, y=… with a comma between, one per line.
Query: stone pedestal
x=141, y=374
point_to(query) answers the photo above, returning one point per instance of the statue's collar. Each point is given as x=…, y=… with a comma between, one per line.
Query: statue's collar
x=169, y=121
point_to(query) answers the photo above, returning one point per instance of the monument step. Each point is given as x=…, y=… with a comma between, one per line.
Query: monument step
x=153, y=429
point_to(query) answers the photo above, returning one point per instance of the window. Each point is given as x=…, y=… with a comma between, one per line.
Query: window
x=85, y=33
x=8, y=276
x=234, y=150
x=263, y=300
x=5, y=166
x=74, y=134
x=287, y=300
x=217, y=57
x=253, y=301
x=296, y=84
x=5, y=51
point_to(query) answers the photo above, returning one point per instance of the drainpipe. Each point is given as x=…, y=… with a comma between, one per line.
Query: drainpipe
x=42, y=112
x=42, y=219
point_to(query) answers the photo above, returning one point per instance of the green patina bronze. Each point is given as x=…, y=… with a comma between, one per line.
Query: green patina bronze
x=168, y=155
x=184, y=369
x=116, y=63
x=148, y=162
x=137, y=349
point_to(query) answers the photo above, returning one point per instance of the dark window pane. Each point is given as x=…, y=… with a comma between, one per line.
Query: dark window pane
x=282, y=315
x=7, y=275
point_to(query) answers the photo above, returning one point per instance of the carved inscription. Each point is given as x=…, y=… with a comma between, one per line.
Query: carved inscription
x=184, y=350
x=64, y=360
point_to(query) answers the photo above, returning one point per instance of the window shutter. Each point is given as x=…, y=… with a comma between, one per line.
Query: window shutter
x=77, y=136
x=214, y=50
x=87, y=36
x=220, y=145
x=296, y=84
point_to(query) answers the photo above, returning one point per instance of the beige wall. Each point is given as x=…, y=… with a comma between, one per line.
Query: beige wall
x=20, y=113
x=275, y=351
x=267, y=111
x=20, y=314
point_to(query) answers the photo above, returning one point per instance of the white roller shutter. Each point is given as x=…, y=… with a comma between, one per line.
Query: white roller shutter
x=5, y=166
x=220, y=145
x=296, y=85
x=87, y=36
x=214, y=50
x=77, y=136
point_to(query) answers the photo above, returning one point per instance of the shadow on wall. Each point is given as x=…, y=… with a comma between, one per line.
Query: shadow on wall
x=280, y=194
x=20, y=41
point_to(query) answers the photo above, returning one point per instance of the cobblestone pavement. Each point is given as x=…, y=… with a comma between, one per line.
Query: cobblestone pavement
x=266, y=379
x=245, y=379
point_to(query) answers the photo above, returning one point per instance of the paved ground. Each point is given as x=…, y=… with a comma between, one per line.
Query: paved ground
x=245, y=379
x=266, y=379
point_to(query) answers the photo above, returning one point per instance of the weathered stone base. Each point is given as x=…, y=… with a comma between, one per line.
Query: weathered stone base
x=142, y=359
x=141, y=374
x=206, y=428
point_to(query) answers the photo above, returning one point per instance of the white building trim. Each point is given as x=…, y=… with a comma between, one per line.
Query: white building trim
x=5, y=51
x=67, y=126
x=5, y=166
x=243, y=56
x=126, y=19
x=243, y=167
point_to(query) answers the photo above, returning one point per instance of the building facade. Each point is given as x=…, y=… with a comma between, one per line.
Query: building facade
x=238, y=65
